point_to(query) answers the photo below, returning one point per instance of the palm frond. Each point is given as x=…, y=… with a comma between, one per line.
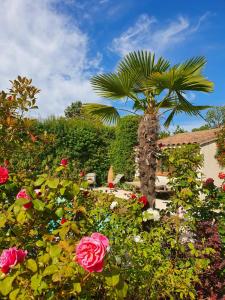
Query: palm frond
x=104, y=113
x=112, y=86
x=179, y=105
x=142, y=63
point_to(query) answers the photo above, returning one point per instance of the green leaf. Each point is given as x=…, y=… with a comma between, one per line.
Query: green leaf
x=76, y=189
x=39, y=181
x=6, y=285
x=54, y=251
x=122, y=291
x=59, y=212
x=21, y=217
x=60, y=168
x=13, y=294
x=40, y=243
x=36, y=281
x=77, y=287
x=53, y=183
x=38, y=204
x=44, y=258
x=31, y=265
x=62, y=191
x=21, y=201
x=49, y=270
x=2, y=220
x=112, y=280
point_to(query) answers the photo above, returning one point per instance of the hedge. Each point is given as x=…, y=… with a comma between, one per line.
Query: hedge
x=85, y=144
x=122, y=148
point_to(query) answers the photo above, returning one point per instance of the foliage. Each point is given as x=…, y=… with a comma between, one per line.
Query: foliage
x=154, y=266
x=184, y=177
x=74, y=110
x=220, y=155
x=85, y=143
x=142, y=79
x=14, y=104
x=122, y=152
x=179, y=129
x=203, y=214
x=215, y=117
x=203, y=127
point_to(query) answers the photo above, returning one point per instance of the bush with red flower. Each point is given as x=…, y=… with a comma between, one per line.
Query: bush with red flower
x=74, y=245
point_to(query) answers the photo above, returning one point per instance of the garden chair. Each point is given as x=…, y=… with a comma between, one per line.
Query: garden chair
x=118, y=178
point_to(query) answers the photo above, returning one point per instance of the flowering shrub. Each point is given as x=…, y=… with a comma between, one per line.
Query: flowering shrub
x=220, y=155
x=75, y=245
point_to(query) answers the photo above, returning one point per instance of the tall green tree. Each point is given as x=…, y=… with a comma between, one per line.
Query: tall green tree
x=154, y=88
x=215, y=117
x=74, y=110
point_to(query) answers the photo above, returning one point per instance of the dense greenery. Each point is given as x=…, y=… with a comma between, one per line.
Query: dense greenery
x=220, y=155
x=85, y=143
x=122, y=152
x=14, y=104
x=59, y=240
x=146, y=260
x=202, y=208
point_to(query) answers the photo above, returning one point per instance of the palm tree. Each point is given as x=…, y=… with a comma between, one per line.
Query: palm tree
x=155, y=88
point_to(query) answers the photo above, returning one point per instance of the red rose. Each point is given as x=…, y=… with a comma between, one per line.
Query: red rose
x=23, y=195
x=143, y=199
x=63, y=221
x=221, y=175
x=133, y=196
x=11, y=257
x=111, y=185
x=10, y=98
x=223, y=187
x=64, y=162
x=209, y=181
x=4, y=175
x=90, y=252
x=82, y=174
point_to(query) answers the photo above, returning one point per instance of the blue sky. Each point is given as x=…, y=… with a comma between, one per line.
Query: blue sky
x=62, y=43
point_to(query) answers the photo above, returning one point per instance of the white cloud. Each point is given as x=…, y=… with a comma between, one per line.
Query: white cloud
x=41, y=44
x=147, y=34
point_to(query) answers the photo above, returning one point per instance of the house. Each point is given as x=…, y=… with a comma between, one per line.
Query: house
x=207, y=142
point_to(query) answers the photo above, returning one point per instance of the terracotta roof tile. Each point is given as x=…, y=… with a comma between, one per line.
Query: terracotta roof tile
x=197, y=137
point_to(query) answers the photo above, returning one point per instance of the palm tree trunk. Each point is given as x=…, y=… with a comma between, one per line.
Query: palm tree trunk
x=147, y=137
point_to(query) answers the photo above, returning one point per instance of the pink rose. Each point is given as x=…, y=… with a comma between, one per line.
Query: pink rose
x=23, y=195
x=101, y=238
x=4, y=175
x=64, y=162
x=11, y=257
x=90, y=252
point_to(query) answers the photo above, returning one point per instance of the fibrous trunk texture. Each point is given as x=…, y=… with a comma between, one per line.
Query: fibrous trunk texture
x=147, y=137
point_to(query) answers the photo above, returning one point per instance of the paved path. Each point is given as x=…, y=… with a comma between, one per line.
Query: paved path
x=159, y=204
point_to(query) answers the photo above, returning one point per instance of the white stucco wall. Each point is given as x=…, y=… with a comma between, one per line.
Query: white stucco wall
x=211, y=167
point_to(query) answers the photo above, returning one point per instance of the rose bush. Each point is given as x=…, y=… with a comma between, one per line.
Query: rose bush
x=77, y=246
